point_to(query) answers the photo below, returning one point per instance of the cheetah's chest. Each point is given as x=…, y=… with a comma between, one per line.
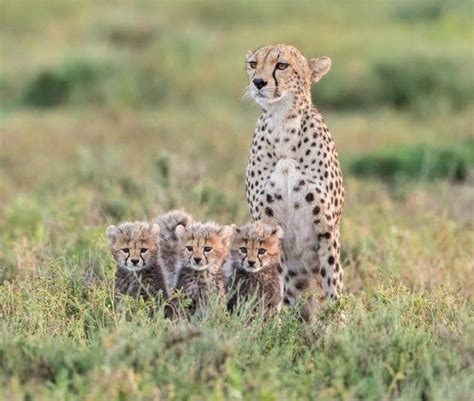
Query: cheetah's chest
x=281, y=141
x=286, y=137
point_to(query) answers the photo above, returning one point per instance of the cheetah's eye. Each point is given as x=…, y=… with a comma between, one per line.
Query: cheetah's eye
x=261, y=251
x=207, y=249
x=253, y=65
x=126, y=250
x=243, y=250
x=143, y=250
x=282, y=66
x=189, y=248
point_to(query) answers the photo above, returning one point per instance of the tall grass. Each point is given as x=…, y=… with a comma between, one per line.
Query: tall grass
x=397, y=344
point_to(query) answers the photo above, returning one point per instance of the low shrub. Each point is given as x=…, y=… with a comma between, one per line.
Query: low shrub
x=423, y=162
x=407, y=81
x=57, y=85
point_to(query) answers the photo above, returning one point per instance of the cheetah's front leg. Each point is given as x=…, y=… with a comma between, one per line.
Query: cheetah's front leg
x=329, y=261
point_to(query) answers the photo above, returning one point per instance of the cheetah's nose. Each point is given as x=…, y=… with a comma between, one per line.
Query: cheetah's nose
x=251, y=263
x=135, y=261
x=259, y=83
x=197, y=260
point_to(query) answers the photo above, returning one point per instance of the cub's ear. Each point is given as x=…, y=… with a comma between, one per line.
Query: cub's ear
x=278, y=232
x=319, y=68
x=112, y=233
x=155, y=229
x=235, y=229
x=180, y=232
x=225, y=232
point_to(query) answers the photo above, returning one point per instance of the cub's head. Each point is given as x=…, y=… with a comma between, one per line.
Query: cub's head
x=135, y=246
x=203, y=244
x=255, y=246
x=280, y=70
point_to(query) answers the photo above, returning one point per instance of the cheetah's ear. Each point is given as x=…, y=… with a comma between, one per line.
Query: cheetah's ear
x=251, y=53
x=180, y=232
x=112, y=233
x=319, y=68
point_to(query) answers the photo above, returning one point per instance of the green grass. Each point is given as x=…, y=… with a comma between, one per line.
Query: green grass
x=397, y=344
x=113, y=112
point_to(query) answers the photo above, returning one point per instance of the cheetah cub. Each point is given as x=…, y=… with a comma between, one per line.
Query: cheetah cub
x=135, y=247
x=169, y=241
x=203, y=248
x=254, y=266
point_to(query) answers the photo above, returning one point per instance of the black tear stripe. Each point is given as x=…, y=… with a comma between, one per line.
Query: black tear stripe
x=274, y=72
x=274, y=78
x=205, y=257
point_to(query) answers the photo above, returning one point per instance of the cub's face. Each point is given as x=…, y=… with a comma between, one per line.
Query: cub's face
x=134, y=245
x=202, y=245
x=277, y=71
x=255, y=246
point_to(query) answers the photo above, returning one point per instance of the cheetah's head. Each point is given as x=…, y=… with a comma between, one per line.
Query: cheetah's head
x=255, y=246
x=203, y=244
x=134, y=246
x=277, y=71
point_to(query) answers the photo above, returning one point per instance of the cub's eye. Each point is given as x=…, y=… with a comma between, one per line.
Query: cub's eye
x=143, y=250
x=207, y=249
x=261, y=251
x=189, y=248
x=282, y=66
x=243, y=250
x=253, y=64
x=126, y=250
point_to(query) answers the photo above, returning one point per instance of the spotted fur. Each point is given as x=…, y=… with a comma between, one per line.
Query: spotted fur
x=254, y=267
x=203, y=248
x=169, y=241
x=135, y=247
x=293, y=175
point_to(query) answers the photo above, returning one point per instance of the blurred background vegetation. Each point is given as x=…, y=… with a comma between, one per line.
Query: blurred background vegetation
x=121, y=110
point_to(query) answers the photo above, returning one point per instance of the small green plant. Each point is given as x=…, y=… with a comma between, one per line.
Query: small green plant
x=162, y=164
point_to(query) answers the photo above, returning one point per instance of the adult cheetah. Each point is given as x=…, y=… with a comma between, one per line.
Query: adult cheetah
x=293, y=176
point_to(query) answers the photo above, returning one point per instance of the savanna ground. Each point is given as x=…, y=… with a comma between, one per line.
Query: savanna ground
x=115, y=111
